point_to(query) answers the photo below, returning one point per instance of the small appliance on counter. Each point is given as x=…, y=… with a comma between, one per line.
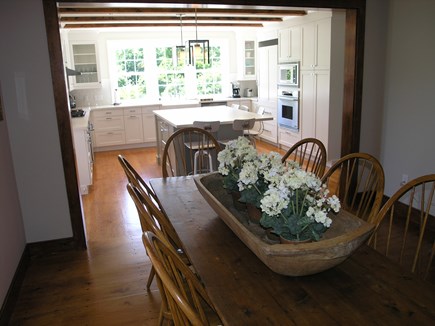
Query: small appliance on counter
x=236, y=89
x=78, y=113
x=249, y=92
x=72, y=102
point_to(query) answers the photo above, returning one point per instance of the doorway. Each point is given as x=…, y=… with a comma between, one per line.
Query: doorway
x=354, y=55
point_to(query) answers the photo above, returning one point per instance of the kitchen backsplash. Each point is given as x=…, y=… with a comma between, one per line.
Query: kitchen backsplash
x=104, y=95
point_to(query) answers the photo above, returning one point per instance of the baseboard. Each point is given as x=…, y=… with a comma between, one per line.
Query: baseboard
x=31, y=251
x=11, y=298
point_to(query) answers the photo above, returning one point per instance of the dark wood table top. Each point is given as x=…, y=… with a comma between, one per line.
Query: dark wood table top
x=365, y=289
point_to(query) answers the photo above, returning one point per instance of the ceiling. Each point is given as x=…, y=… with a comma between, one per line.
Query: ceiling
x=140, y=15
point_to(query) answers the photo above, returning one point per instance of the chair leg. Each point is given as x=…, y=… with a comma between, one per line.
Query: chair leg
x=151, y=277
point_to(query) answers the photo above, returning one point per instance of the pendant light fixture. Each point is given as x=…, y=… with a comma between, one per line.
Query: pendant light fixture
x=180, y=50
x=198, y=48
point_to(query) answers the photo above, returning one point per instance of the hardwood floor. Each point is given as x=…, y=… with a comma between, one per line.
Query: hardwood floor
x=106, y=284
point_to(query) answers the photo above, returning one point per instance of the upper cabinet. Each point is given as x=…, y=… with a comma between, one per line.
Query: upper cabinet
x=85, y=60
x=289, y=44
x=316, y=45
x=249, y=60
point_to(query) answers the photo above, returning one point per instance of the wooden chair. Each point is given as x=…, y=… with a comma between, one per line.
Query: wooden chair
x=310, y=153
x=155, y=220
x=183, y=146
x=405, y=227
x=358, y=181
x=187, y=298
x=134, y=177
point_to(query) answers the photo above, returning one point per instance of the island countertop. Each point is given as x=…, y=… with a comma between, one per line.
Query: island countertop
x=182, y=118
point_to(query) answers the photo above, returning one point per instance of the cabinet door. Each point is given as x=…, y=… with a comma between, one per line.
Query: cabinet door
x=316, y=45
x=85, y=60
x=249, y=60
x=289, y=44
x=149, y=127
x=267, y=73
x=307, y=109
x=314, y=107
x=133, y=129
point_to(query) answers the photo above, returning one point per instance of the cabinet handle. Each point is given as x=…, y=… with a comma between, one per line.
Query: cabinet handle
x=108, y=112
x=133, y=117
x=268, y=112
x=108, y=118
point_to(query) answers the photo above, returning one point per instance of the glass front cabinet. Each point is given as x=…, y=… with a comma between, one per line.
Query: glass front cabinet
x=85, y=60
x=249, y=60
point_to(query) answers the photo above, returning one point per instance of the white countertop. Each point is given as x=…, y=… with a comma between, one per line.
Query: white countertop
x=164, y=103
x=181, y=118
x=81, y=122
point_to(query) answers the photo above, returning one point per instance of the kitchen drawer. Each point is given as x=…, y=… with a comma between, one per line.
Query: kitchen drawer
x=288, y=137
x=106, y=113
x=109, y=123
x=269, y=131
x=109, y=138
x=132, y=111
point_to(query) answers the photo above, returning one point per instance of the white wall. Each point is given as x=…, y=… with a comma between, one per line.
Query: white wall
x=408, y=128
x=12, y=240
x=29, y=108
x=374, y=79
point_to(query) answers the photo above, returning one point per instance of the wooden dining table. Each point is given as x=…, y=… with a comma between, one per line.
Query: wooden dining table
x=366, y=289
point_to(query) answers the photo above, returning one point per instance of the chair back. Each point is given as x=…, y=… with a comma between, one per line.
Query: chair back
x=189, y=149
x=243, y=124
x=187, y=299
x=310, y=154
x=243, y=108
x=155, y=220
x=405, y=227
x=357, y=179
x=134, y=177
x=210, y=126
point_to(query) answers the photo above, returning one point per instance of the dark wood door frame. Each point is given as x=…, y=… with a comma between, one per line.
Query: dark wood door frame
x=354, y=57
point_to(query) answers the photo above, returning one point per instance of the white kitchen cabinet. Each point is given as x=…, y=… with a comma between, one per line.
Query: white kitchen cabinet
x=84, y=158
x=289, y=44
x=249, y=70
x=133, y=125
x=314, y=106
x=267, y=76
x=85, y=60
x=149, y=125
x=270, y=127
x=109, y=127
x=288, y=137
x=316, y=45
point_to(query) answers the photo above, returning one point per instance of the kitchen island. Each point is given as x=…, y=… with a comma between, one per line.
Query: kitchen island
x=169, y=121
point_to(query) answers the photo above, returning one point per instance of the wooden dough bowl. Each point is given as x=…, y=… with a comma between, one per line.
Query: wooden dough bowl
x=345, y=235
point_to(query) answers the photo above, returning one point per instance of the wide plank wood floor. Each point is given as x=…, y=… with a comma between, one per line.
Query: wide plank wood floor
x=106, y=284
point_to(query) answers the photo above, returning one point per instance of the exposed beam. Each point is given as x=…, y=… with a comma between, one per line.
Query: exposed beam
x=94, y=19
x=233, y=11
x=214, y=24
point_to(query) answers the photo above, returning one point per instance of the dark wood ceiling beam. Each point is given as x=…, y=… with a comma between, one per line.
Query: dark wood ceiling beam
x=120, y=10
x=92, y=19
x=71, y=26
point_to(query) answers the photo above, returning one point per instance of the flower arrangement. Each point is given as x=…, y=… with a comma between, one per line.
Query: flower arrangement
x=231, y=160
x=294, y=203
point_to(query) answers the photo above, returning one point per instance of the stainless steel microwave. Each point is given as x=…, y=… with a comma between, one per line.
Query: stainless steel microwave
x=288, y=74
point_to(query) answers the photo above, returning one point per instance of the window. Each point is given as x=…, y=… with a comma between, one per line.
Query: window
x=170, y=77
x=142, y=69
x=209, y=76
x=130, y=73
